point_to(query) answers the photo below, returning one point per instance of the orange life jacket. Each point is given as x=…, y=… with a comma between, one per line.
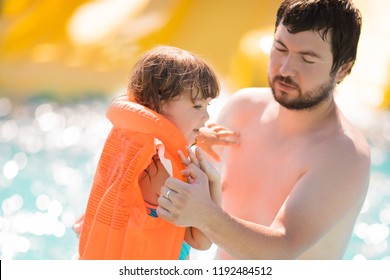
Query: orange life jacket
x=116, y=222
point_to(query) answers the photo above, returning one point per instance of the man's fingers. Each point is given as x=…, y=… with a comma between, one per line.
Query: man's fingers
x=166, y=203
x=163, y=212
x=171, y=183
x=167, y=193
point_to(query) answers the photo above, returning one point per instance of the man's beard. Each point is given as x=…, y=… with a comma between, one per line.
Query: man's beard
x=305, y=100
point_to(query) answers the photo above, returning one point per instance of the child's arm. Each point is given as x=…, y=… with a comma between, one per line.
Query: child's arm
x=197, y=239
x=194, y=237
x=78, y=225
x=150, y=188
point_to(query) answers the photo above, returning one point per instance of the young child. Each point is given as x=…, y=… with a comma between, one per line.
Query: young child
x=165, y=106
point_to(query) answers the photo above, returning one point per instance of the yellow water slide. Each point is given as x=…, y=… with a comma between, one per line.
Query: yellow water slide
x=75, y=47
x=386, y=98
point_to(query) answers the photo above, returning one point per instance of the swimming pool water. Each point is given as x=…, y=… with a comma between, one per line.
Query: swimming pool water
x=48, y=155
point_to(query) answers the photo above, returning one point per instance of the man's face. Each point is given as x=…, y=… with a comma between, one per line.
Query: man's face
x=299, y=69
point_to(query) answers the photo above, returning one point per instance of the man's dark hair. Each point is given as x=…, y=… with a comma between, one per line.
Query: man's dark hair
x=339, y=17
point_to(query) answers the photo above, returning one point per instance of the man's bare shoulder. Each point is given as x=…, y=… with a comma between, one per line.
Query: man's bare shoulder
x=244, y=102
x=354, y=145
x=347, y=157
x=247, y=96
x=349, y=141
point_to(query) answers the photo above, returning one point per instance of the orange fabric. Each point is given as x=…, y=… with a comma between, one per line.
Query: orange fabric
x=116, y=223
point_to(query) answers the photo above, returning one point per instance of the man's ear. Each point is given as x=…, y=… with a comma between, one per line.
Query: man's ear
x=343, y=71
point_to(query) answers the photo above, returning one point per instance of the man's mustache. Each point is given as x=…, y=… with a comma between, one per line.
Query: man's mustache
x=286, y=80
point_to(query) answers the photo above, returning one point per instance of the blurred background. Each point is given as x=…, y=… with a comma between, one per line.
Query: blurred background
x=61, y=62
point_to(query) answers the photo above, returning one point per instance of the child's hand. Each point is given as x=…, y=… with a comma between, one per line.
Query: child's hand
x=215, y=135
x=78, y=225
x=198, y=158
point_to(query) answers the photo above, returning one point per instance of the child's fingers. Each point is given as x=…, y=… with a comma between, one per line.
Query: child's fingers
x=192, y=156
x=186, y=161
x=199, y=154
x=211, y=153
x=203, y=163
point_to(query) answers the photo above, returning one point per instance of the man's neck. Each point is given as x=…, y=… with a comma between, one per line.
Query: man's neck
x=295, y=122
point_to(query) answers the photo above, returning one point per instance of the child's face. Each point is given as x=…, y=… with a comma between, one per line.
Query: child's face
x=186, y=115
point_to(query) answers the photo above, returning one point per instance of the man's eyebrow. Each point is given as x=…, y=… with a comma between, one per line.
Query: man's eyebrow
x=310, y=53
x=280, y=43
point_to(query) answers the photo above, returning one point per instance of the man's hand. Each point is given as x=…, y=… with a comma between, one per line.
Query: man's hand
x=186, y=204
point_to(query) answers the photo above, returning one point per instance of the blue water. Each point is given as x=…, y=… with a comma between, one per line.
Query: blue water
x=48, y=155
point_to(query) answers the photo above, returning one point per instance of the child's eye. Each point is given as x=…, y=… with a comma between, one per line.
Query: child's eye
x=198, y=107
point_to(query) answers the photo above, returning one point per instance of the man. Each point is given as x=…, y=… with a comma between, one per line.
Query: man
x=295, y=185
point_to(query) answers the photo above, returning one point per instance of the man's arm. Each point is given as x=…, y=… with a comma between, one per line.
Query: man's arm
x=318, y=201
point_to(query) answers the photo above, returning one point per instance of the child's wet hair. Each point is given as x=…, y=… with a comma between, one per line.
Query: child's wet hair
x=165, y=72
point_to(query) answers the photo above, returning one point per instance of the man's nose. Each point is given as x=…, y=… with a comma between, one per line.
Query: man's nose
x=287, y=68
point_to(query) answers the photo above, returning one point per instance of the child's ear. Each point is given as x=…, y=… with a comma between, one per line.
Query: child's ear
x=343, y=71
